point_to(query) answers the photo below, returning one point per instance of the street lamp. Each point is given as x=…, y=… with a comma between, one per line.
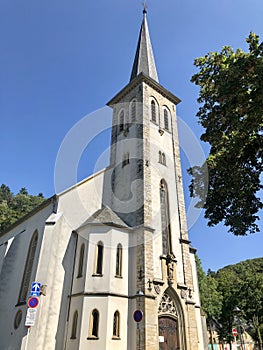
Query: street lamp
x=238, y=312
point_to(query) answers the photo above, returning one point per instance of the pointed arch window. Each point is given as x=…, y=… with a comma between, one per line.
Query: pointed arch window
x=94, y=324
x=81, y=260
x=162, y=158
x=99, y=258
x=166, y=119
x=133, y=111
x=153, y=111
x=165, y=218
x=126, y=159
x=121, y=121
x=119, y=261
x=74, y=325
x=116, y=325
x=28, y=268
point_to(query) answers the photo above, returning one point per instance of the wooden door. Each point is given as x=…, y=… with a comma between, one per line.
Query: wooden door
x=168, y=333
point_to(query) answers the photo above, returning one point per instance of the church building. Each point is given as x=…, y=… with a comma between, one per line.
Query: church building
x=120, y=273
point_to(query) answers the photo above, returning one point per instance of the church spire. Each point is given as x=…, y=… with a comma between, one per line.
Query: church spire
x=144, y=60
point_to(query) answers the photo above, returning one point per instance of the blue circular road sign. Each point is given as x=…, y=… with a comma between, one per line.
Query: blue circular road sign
x=33, y=302
x=137, y=315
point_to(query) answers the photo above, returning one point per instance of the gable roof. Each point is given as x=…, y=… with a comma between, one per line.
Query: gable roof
x=105, y=216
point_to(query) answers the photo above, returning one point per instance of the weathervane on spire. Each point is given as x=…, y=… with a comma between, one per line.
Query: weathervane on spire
x=144, y=7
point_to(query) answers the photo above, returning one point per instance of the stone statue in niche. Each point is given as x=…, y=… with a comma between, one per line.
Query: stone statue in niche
x=170, y=262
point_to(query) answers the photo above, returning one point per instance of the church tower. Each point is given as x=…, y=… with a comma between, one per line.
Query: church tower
x=133, y=256
x=123, y=278
x=147, y=194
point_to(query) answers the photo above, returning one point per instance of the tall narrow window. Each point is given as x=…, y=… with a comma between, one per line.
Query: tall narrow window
x=99, y=258
x=81, y=260
x=133, y=111
x=126, y=159
x=74, y=325
x=28, y=268
x=165, y=118
x=163, y=159
x=160, y=157
x=119, y=261
x=94, y=324
x=153, y=111
x=116, y=324
x=165, y=218
x=121, y=121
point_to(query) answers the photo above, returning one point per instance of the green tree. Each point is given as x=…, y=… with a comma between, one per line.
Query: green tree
x=251, y=295
x=229, y=286
x=13, y=207
x=211, y=298
x=242, y=286
x=231, y=112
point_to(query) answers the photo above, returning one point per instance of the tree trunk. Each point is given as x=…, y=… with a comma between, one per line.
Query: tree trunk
x=211, y=335
x=259, y=338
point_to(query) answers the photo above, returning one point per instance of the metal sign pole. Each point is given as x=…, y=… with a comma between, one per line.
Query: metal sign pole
x=27, y=336
x=139, y=329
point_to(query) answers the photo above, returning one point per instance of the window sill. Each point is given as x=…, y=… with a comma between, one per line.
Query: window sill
x=97, y=275
x=93, y=338
x=162, y=164
x=117, y=276
x=116, y=338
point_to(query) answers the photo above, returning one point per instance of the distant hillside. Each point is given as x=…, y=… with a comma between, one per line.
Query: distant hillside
x=255, y=265
x=13, y=207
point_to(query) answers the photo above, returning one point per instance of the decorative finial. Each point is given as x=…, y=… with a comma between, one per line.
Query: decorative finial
x=144, y=7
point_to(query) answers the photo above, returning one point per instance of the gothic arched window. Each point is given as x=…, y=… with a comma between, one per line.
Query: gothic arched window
x=165, y=119
x=94, y=324
x=121, y=121
x=165, y=218
x=28, y=268
x=133, y=111
x=160, y=157
x=119, y=260
x=163, y=159
x=126, y=159
x=116, y=324
x=99, y=258
x=153, y=111
x=74, y=325
x=81, y=260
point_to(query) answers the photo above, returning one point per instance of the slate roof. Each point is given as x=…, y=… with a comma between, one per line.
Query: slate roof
x=104, y=216
x=144, y=59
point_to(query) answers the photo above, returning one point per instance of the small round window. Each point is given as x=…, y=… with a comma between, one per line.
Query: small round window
x=18, y=319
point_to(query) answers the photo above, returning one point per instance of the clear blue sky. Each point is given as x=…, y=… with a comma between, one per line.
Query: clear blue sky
x=61, y=60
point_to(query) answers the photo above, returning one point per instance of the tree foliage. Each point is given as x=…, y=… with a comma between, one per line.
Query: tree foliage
x=239, y=285
x=13, y=207
x=231, y=112
x=211, y=298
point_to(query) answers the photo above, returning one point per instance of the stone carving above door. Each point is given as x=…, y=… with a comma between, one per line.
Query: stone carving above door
x=167, y=306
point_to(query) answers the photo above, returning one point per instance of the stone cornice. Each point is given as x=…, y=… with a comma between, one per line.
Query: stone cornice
x=142, y=78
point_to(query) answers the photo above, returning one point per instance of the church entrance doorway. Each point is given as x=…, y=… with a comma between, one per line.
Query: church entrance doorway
x=168, y=333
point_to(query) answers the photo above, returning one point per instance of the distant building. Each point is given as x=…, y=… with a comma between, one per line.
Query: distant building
x=132, y=253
